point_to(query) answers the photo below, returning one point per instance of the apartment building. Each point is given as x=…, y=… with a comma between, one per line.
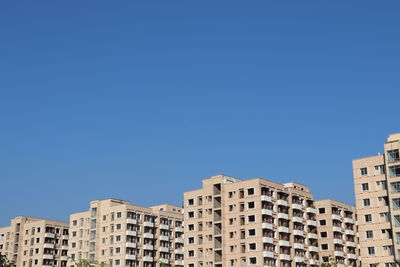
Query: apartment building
x=117, y=233
x=256, y=222
x=377, y=190
x=337, y=233
x=34, y=242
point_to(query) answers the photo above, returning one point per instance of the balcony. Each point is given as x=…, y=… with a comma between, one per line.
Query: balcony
x=65, y=237
x=165, y=261
x=312, y=223
x=282, y=202
x=130, y=245
x=49, y=235
x=148, y=235
x=349, y=220
x=267, y=226
x=351, y=256
x=340, y=265
x=349, y=232
x=48, y=256
x=336, y=217
x=313, y=248
x=283, y=229
x=284, y=243
x=179, y=240
x=131, y=233
x=179, y=251
x=312, y=236
x=283, y=216
x=47, y=245
x=148, y=224
x=350, y=244
x=64, y=258
x=297, y=219
x=64, y=247
x=337, y=229
x=298, y=232
x=268, y=254
x=266, y=212
x=130, y=257
x=284, y=257
x=296, y=206
x=148, y=247
x=266, y=198
x=164, y=249
x=164, y=226
x=131, y=221
x=298, y=246
x=298, y=259
x=178, y=262
x=164, y=238
x=314, y=262
x=311, y=210
x=338, y=241
x=148, y=258
x=268, y=240
x=179, y=229
x=339, y=254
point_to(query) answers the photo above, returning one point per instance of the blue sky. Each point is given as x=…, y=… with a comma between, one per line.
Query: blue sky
x=103, y=99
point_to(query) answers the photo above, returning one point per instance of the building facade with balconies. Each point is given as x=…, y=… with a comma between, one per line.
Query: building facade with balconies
x=117, y=233
x=377, y=190
x=337, y=233
x=256, y=222
x=34, y=242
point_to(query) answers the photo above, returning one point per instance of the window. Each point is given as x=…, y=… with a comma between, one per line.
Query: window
x=191, y=202
x=393, y=155
x=253, y=260
x=363, y=171
x=325, y=259
x=252, y=218
x=250, y=191
x=252, y=246
x=322, y=222
x=74, y=222
x=396, y=203
x=191, y=253
x=380, y=169
x=324, y=246
x=252, y=232
x=371, y=250
x=369, y=234
x=191, y=214
x=366, y=202
x=321, y=210
x=118, y=226
x=395, y=187
x=191, y=240
x=191, y=227
x=394, y=171
x=117, y=250
x=250, y=205
x=365, y=187
x=118, y=238
x=324, y=234
x=368, y=217
x=117, y=262
x=119, y=214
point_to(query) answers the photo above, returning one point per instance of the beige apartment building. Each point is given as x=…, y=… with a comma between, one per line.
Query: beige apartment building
x=377, y=190
x=256, y=222
x=337, y=233
x=118, y=233
x=33, y=242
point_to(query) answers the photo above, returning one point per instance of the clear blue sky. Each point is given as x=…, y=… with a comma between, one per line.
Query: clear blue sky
x=106, y=98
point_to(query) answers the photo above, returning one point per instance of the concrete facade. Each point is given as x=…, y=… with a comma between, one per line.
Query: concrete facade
x=118, y=233
x=256, y=222
x=377, y=191
x=337, y=233
x=34, y=242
